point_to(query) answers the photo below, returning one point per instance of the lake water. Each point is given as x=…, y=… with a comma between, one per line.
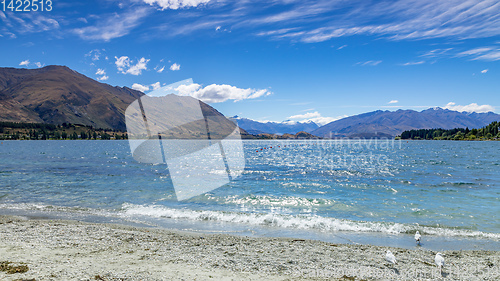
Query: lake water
x=376, y=192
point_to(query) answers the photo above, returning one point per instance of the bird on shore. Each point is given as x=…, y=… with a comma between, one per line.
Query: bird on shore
x=439, y=260
x=390, y=257
x=417, y=237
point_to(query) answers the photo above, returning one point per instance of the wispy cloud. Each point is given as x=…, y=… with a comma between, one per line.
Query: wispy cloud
x=413, y=63
x=26, y=23
x=160, y=69
x=175, y=4
x=437, y=53
x=482, y=53
x=94, y=55
x=307, y=21
x=113, y=25
x=369, y=63
x=393, y=101
x=313, y=21
x=484, y=71
x=396, y=20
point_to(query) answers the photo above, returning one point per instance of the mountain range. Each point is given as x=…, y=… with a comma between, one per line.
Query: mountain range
x=280, y=128
x=57, y=94
x=382, y=124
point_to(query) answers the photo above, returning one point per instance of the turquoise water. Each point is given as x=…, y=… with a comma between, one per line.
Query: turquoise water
x=377, y=192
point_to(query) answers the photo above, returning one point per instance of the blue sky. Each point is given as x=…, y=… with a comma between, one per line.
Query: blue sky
x=275, y=60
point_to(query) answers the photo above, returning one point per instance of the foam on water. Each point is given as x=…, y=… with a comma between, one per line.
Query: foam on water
x=307, y=222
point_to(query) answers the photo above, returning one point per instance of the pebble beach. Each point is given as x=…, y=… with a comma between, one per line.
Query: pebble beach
x=37, y=249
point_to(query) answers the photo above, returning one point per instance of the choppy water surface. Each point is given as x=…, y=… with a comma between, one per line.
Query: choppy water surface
x=331, y=190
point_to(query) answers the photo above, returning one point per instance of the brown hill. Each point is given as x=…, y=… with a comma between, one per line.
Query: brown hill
x=57, y=94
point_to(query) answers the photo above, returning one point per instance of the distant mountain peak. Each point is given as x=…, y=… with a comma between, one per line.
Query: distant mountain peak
x=392, y=123
x=280, y=128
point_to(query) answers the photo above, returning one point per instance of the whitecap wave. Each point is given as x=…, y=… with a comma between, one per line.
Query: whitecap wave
x=304, y=222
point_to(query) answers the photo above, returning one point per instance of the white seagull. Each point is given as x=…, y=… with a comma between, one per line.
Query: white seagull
x=390, y=257
x=417, y=237
x=439, y=260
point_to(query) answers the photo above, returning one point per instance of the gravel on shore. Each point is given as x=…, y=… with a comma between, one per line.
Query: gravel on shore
x=71, y=250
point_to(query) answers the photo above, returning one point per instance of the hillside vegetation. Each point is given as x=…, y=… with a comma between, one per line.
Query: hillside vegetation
x=66, y=131
x=489, y=132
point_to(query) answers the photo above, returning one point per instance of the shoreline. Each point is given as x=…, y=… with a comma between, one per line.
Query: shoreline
x=73, y=250
x=404, y=240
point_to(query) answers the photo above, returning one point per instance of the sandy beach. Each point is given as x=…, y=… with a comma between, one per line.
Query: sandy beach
x=70, y=250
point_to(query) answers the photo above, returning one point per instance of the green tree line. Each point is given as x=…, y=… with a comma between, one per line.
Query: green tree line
x=65, y=131
x=489, y=132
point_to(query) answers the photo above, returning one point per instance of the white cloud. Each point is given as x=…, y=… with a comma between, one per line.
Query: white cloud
x=325, y=120
x=393, y=101
x=156, y=85
x=39, y=64
x=414, y=63
x=175, y=67
x=25, y=23
x=139, y=67
x=484, y=71
x=94, y=55
x=306, y=116
x=341, y=47
x=219, y=93
x=24, y=63
x=139, y=87
x=124, y=65
x=176, y=4
x=321, y=20
x=103, y=78
x=473, y=107
x=482, y=53
x=404, y=19
x=159, y=70
x=316, y=118
x=437, y=53
x=370, y=63
x=100, y=72
x=113, y=25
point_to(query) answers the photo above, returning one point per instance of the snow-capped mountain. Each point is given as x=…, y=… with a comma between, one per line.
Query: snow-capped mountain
x=285, y=127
